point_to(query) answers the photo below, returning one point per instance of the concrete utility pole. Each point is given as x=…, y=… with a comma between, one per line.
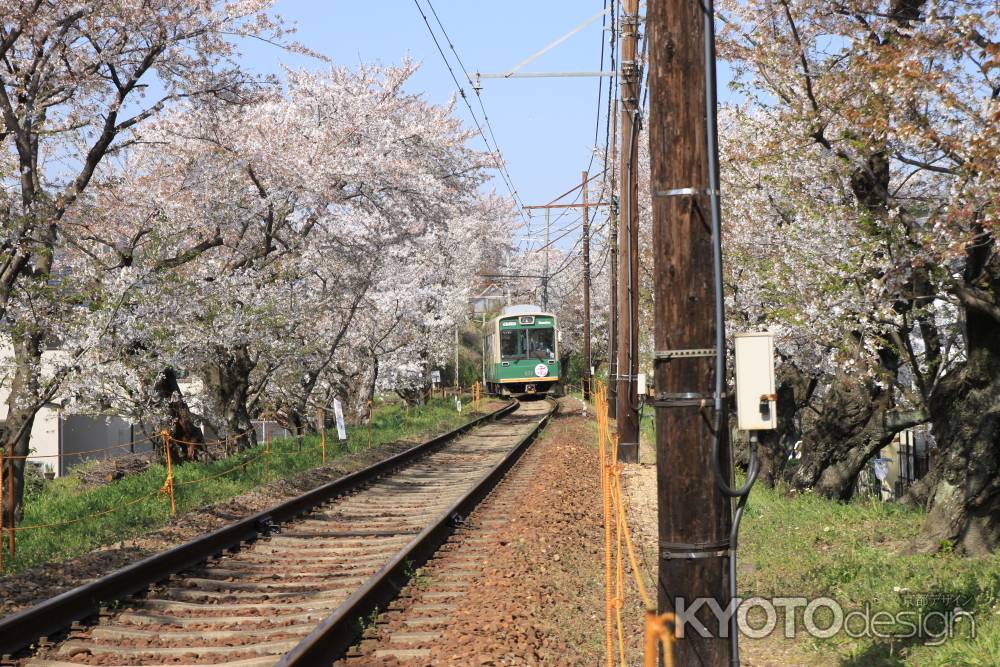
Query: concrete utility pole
x=628, y=279
x=586, y=288
x=456, y=355
x=694, y=515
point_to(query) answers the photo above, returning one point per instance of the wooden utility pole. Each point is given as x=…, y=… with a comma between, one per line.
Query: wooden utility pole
x=586, y=287
x=613, y=252
x=628, y=269
x=694, y=516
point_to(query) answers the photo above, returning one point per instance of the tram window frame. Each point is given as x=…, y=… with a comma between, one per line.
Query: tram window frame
x=533, y=335
x=520, y=347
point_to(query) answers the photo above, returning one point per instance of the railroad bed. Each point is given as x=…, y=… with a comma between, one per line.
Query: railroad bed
x=298, y=594
x=417, y=619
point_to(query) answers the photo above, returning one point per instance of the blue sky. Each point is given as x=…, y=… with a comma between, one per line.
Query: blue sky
x=545, y=127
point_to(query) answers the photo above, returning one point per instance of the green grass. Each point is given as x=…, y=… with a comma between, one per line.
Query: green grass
x=65, y=499
x=805, y=545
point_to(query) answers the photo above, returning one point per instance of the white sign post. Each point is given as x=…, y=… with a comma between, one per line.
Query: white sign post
x=339, y=412
x=435, y=377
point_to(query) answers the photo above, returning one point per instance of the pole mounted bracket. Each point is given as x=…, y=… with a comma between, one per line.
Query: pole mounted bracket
x=685, y=192
x=667, y=355
x=689, y=551
x=689, y=399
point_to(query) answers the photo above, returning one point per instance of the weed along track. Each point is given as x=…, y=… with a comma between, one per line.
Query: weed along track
x=290, y=586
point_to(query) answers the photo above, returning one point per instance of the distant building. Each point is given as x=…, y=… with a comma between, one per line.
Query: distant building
x=62, y=440
x=489, y=300
x=909, y=456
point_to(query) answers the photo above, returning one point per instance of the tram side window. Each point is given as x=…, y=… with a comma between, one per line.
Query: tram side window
x=512, y=343
x=542, y=343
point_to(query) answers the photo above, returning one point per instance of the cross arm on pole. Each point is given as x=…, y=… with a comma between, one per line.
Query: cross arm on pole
x=599, y=203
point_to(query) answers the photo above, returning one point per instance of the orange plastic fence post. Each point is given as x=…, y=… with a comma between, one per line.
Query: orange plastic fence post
x=267, y=451
x=168, y=485
x=608, y=573
x=657, y=633
x=322, y=433
x=652, y=640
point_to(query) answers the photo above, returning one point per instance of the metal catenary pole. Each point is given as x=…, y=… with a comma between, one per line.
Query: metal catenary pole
x=694, y=515
x=586, y=287
x=545, y=273
x=628, y=269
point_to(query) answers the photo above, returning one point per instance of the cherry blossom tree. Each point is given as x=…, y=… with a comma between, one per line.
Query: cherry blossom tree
x=319, y=195
x=883, y=112
x=77, y=81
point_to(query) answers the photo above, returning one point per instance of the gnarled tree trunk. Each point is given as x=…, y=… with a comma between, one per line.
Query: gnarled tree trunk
x=795, y=390
x=963, y=486
x=22, y=406
x=849, y=430
x=228, y=381
x=180, y=421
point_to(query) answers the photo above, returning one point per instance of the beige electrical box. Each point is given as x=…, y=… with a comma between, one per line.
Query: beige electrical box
x=756, y=402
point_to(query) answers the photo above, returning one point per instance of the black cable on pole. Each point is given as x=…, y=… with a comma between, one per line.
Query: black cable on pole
x=611, y=87
x=629, y=204
x=600, y=86
x=753, y=468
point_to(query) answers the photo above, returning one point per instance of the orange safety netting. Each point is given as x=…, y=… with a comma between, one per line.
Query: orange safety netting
x=659, y=628
x=81, y=453
x=168, y=488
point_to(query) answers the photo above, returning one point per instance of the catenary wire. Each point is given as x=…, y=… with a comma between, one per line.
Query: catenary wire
x=501, y=165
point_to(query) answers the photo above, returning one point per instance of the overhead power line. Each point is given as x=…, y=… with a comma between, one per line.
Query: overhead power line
x=597, y=125
x=495, y=147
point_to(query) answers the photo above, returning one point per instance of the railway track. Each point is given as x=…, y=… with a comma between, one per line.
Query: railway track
x=419, y=617
x=296, y=589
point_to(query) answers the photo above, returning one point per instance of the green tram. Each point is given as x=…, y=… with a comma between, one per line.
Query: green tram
x=521, y=350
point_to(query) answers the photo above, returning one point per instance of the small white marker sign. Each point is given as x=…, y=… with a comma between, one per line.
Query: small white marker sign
x=339, y=412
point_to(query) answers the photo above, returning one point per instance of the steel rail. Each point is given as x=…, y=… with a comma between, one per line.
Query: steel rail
x=331, y=639
x=23, y=629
